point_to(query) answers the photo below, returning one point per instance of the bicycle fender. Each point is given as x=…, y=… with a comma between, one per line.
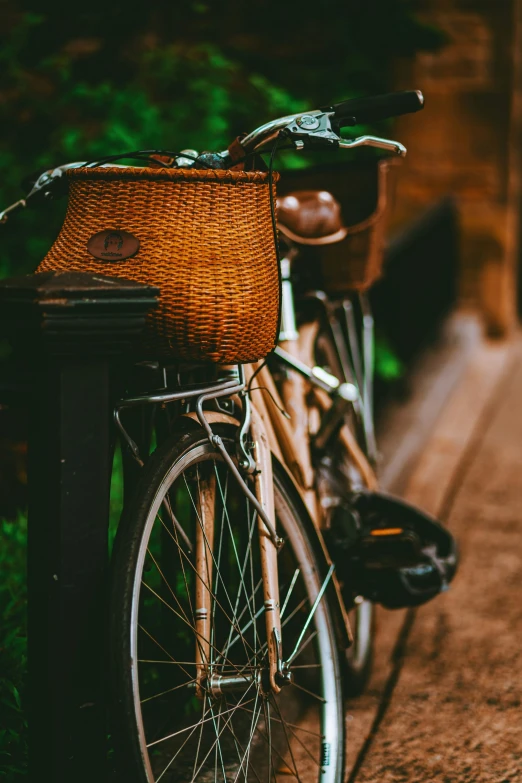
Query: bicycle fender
x=213, y=417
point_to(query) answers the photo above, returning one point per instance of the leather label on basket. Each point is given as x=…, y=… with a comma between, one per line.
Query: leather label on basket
x=113, y=245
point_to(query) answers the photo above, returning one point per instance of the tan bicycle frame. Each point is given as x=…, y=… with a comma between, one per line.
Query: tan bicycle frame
x=203, y=590
x=289, y=441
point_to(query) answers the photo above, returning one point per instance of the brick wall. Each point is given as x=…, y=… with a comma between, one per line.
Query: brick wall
x=467, y=142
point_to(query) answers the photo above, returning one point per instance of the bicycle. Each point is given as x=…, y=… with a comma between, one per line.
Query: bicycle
x=228, y=624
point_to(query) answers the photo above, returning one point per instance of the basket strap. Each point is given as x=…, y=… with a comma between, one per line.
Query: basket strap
x=237, y=153
x=162, y=160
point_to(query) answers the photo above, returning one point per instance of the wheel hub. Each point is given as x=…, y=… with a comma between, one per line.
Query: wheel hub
x=219, y=684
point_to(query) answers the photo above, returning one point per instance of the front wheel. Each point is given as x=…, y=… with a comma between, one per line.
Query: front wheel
x=173, y=723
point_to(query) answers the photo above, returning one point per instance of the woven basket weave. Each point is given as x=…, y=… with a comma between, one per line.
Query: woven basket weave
x=365, y=191
x=206, y=240
x=356, y=263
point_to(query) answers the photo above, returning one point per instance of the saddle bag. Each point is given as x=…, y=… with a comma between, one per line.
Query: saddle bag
x=205, y=238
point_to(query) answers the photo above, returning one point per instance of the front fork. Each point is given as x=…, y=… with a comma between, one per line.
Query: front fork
x=275, y=674
x=264, y=488
x=203, y=590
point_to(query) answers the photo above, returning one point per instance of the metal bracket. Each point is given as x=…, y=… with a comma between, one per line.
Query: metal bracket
x=203, y=394
x=310, y=128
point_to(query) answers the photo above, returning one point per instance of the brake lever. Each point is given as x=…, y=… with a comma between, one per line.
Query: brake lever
x=4, y=215
x=374, y=141
x=318, y=128
x=45, y=179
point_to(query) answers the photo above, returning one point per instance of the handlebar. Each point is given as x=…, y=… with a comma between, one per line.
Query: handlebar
x=322, y=126
x=310, y=130
x=268, y=132
x=356, y=111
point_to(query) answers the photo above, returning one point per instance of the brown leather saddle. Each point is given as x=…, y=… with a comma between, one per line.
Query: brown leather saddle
x=310, y=217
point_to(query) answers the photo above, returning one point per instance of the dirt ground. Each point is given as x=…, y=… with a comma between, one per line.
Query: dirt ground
x=445, y=700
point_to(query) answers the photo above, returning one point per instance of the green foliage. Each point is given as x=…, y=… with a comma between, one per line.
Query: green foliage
x=13, y=649
x=116, y=499
x=79, y=82
x=388, y=366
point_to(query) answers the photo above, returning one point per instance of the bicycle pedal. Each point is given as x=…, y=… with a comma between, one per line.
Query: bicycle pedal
x=389, y=551
x=391, y=547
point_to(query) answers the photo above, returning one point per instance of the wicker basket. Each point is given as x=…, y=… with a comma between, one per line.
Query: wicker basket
x=356, y=263
x=205, y=238
x=364, y=192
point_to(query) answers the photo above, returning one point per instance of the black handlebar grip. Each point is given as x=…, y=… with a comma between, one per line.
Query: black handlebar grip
x=378, y=107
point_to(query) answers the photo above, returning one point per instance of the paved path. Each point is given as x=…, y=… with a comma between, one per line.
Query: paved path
x=445, y=701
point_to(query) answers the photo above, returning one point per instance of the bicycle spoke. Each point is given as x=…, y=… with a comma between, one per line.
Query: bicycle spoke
x=292, y=725
x=187, y=728
x=233, y=620
x=305, y=644
x=312, y=612
x=171, y=663
x=292, y=585
x=307, y=666
x=287, y=619
x=241, y=572
x=172, y=660
x=218, y=748
x=258, y=613
x=199, y=741
x=294, y=612
x=240, y=746
x=268, y=739
x=310, y=693
x=246, y=627
x=175, y=523
x=217, y=738
x=180, y=549
x=173, y=759
x=198, y=641
x=213, y=595
x=286, y=736
x=163, y=693
x=253, y=725
x=177, y=614
x=168, y=584
x=247, y=560
x=285, y=726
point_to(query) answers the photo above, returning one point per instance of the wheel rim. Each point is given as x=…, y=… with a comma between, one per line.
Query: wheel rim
x=243, y=733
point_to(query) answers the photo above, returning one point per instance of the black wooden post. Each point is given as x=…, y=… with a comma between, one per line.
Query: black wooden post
x=73, y=330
